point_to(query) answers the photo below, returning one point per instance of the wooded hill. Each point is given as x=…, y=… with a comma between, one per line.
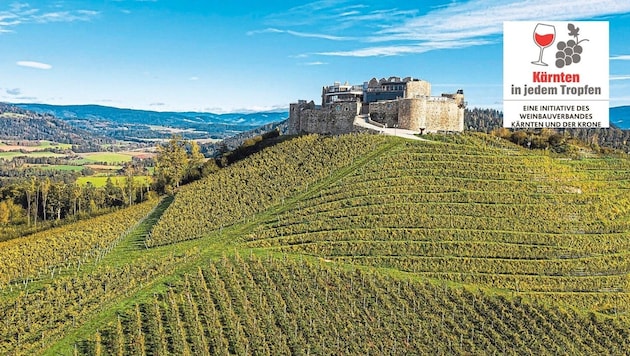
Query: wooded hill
x=20, y=124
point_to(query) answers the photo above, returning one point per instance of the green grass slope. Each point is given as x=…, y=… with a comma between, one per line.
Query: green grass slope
x=356, y=245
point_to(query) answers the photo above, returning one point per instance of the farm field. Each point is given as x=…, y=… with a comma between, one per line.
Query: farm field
x=35, y=146
x=101, y=163
x=58, y=167
x=358, y=244
x=11, y=155
x=106, y=157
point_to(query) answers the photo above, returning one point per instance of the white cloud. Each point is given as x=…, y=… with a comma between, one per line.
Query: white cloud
x=456, y=25
x=396, y=50
x=193, y=78
x=33, y=64
x=623, y=57
x=300, y=34
x=21, y=13
x=620, y=77
x=316, y=63
x=478, y=18
x=15, y=91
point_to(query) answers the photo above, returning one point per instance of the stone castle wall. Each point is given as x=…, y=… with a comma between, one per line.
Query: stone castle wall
x=384, y=112
x=416, y=110
x=417, y=89
x=425, y=113
x=412, y=114
x=337, y=119
x=445, y=115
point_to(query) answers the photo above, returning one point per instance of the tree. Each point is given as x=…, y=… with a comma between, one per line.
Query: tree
x=45, y=189
x=195, y=162
x=178, y=161
x=171, y=162
x=57, y=201
x=30, y=191
x=130, y=189
x=113, y=194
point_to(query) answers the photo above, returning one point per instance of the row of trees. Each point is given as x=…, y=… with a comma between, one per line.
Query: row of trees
x=34, y=200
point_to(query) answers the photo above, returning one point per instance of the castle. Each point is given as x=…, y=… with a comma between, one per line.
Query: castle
x=404, y=103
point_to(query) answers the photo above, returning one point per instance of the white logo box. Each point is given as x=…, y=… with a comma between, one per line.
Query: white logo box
x=539, y=92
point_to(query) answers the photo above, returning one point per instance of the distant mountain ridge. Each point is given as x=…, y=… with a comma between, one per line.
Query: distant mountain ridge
x=144, y=124
x=20, y=124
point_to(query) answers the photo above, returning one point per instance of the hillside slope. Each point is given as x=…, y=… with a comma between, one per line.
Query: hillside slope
x=357, y=245
x=20, y=124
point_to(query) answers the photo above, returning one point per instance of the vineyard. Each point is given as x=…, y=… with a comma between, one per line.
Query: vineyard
x=65, y=247
x=279, y=307
x=490, y=216
x=357, y=244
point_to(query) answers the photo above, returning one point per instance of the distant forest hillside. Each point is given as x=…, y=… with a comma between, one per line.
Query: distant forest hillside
x=145, y=125
x=486, y=120
x=20, y=124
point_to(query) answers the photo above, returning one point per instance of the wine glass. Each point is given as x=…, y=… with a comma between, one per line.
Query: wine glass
x=543, y=37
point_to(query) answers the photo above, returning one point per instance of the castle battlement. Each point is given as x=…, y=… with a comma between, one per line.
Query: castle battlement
x=394, y=102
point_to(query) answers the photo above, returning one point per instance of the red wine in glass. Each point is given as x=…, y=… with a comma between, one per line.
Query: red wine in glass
x=543, y=37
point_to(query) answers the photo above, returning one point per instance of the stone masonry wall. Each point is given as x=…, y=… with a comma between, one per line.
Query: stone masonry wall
x=445, y=115
x=412, y=114
x=417, y=110
x=384, y=112
x=335, y=120
x=416, y=89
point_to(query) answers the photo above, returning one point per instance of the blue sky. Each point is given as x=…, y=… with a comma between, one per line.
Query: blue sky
x=223, y=56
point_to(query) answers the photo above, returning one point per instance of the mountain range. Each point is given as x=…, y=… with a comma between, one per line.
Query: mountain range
x=130, y=124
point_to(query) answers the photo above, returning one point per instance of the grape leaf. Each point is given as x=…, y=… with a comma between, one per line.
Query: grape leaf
x=573, y=31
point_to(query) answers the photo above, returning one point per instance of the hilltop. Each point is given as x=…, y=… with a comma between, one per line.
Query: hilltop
x=355, y=244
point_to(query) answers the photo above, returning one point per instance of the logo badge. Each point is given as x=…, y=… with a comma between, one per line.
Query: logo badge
x=555, y=74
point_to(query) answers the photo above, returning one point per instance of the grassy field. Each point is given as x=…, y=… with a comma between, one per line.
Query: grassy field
x=352, y=245
x=106, y=157
x=99, y=181
x=58, y=167
x=11, y=155
x=38, y=146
